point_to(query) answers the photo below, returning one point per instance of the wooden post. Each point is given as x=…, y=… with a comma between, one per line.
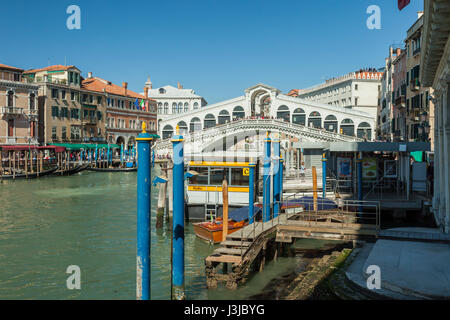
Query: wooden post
x=314, y=176
x=14, y=165
x=31, y=162
x=1, y=162
x=170, y=187
x=225, y=209
x=9, y=161
x=161, y=205
x=26, y=164
x=41, y=168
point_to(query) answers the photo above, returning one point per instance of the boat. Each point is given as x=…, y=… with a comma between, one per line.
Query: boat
x=71, y=171
x=212, y=231
x=29, y=175
x=112, y=169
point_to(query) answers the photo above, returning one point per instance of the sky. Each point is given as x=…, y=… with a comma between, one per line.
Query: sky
x=217, y=48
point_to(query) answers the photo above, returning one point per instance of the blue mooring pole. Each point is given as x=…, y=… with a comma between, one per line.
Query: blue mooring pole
x=266, y=179
x=281, y=178
x=324, y=175
x=276, y=177
x=178, y=218
x=359, y=168
x=143, y=216
x=251, y=193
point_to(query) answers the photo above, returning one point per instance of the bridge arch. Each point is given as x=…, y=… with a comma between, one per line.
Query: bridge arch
x=364, y=131
x=224, y=117
x=299, y=116
x=331, y=123
x=348, y=127
x=195, y=125
x=167, y=131
x=210, y=121
x=238, y=112
x=183, y=127
x=284, y=113
x=315, y=120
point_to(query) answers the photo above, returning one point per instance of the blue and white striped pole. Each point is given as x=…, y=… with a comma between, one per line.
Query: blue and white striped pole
x=143, y=216
x=266, y=179
x=251, y=193
x=178, y=218
x=281, y=177
x=359, y=168
x=276, y=177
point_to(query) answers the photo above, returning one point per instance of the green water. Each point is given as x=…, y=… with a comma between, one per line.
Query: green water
x=89, y=220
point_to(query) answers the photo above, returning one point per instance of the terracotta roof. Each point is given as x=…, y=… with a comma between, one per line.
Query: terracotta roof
x=97, y=84
x=51, y=68
x=4, y=66
x=293, y=93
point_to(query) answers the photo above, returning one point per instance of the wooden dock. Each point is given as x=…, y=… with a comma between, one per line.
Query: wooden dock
x=248, y=249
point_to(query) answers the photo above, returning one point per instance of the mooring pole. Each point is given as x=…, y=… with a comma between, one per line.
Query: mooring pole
x=178, y=218
x=281, y=177
x=266, y=179
x=225, y=209
x=276, y=177
x=143, y=216
x=359, y=168
x=251, y=193
x=314, y=176
x=324, y=175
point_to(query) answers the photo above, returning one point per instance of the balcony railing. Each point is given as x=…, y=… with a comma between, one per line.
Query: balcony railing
x=14, y=111
x=90, y=120
x=415, y=84
x=400, y=101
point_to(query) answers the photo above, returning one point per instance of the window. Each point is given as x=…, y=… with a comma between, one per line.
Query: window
x=55, y=111
x=54, y=135
x=356, y=87
x=32, y=101
x=201, y=178
x=10, y=99
x=162, y=90
x=63, y=133
x=74, y=113
x=75, y=132
x=63, y=94
x=91, y=99
x=64, y=112
x=55, y=93
x=218, y=175
x=99, y=115
x=356, y=101
x=84, y=98
x=72, y=95
x=99, y=99
x=238, y=178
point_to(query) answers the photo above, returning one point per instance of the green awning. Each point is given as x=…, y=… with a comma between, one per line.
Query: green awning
x=85, y=146
x=417, y=155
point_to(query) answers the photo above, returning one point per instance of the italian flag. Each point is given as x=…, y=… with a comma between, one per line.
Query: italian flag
x=142, y=104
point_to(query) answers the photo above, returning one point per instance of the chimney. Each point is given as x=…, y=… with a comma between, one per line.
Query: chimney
x=419, y=14
x=146, y=92
x=89, y=74
x=399, y=51
x=391, y=51
x=179, y=86
x=125, y=86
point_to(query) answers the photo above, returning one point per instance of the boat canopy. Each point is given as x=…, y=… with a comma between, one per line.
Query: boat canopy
x=26, y=148
x=308, y=203
x=241, y=214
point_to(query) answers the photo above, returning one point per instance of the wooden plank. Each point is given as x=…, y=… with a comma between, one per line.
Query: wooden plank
x=231, y=251
x=224, y=259
x=235, y=243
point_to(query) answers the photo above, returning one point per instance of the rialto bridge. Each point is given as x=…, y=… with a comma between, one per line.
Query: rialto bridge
x=265, y=102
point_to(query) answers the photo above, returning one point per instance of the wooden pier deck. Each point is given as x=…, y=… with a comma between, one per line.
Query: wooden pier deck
x=247, y=250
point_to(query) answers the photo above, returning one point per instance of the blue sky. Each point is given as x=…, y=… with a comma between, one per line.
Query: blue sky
x=218, y=48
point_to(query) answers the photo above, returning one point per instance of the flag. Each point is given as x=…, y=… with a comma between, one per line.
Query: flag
x=136, y=104
x=146, y=106
x=402, y=4
x=142, y=104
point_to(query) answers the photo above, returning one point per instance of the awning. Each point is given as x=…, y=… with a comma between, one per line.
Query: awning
x=86, y=146
x=25, y=148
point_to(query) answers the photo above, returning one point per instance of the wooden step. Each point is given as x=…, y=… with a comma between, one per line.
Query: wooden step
x=223, y=258
x=230, y=251
x=231, y=243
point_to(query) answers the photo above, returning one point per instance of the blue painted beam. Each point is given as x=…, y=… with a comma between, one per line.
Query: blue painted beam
x=266, y=178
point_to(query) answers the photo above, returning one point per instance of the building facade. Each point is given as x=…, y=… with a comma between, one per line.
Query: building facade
x=124, y=111
x=435, y=62
x=68, y=113
x=356, y=90
x=398, y=124
x=174, y=101
x=18, y=108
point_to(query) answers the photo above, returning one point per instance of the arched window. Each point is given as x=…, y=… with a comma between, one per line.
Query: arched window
x=195, y=125
x=186, y=107
x=32, y=101
x=364, y=131
x=238, y=112
x=210, y=121
x=331, y=123
x=284, y=113
x=347, y=127
x=166, y=108
x=10, y=99
x=315, y=120
x=174, y=108
x=195, y=105
x=167, y=131
x=183, y=127
x=160, y=108
x=299, y=116
x=224, y=117
x=180, y=107
x=162, y=90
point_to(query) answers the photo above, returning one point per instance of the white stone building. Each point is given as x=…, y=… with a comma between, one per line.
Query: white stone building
x=435, y=72
x=356, y=90
x=174, y=101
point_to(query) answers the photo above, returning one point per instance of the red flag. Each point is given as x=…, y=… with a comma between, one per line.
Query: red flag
x=402, y=4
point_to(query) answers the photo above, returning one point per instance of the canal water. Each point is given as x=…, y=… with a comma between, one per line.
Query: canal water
x=89, y=220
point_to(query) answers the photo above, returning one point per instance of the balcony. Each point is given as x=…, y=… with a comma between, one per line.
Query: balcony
x=415, y=84
x=400, y=101
x=90, y=120
x=11, y=111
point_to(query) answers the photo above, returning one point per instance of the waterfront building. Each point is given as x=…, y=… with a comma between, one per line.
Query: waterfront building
x=399, y=97
x=385, y=116
x=356, y=90
x=124, y=111
x=419, y=123
x=68, y=113
x=435, y=62
x=174, y=101
x=18, y=108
